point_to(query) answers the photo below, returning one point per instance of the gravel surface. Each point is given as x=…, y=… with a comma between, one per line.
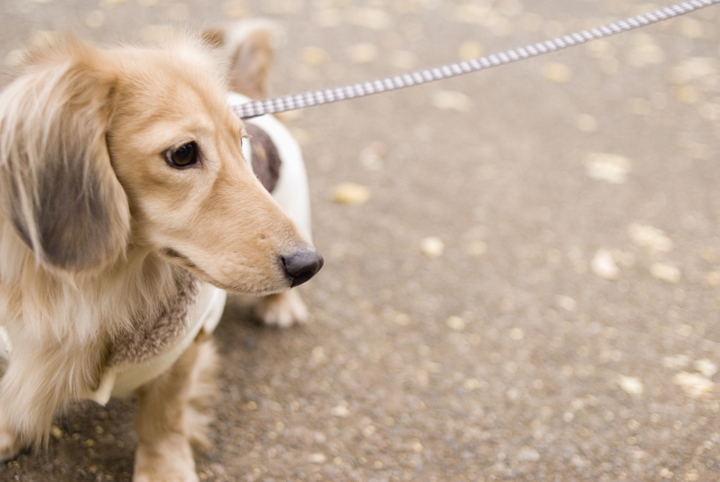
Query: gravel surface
x=522, y=280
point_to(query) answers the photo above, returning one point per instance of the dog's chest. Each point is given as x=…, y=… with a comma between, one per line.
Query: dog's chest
x=151, y=335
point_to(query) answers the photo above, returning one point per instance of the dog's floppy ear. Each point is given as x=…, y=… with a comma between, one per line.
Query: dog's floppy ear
x=58, y=185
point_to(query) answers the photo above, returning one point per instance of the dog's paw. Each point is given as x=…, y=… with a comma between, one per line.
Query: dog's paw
x=10, y=446
x=157, y=476
x=170, y=461
x=282, y=310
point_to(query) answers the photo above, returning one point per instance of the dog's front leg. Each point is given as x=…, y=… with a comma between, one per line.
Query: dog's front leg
x=164, y=453
x=41, y=378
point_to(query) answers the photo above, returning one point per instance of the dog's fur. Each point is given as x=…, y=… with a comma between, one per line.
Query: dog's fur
x=95, y=226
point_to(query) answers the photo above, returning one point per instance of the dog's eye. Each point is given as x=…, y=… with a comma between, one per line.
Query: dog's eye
x=183, y=156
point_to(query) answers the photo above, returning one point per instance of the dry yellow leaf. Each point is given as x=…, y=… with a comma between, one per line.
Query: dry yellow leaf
x=351, y=194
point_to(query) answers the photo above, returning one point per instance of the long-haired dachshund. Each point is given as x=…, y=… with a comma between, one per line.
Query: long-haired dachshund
x=127, y=209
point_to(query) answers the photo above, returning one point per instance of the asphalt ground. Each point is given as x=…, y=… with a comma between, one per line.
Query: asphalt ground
x=524, y=286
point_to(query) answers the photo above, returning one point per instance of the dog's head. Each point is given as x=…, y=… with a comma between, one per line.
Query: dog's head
x=102, y=150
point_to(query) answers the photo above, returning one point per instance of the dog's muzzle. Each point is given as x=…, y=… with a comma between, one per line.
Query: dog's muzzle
x=301, y=266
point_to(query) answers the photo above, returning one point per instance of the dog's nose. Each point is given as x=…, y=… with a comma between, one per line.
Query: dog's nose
x=302, y=265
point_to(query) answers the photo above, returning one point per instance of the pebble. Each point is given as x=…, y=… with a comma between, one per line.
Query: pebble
x=432, y=246
x=631, y=385
x=317, y=458
x=611, y=168
x=650, y=238
x=340, y=410
x=603, y=265
x=665, y=272
x=351, y=194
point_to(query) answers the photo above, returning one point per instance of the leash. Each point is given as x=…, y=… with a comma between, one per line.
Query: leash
x=326, y=96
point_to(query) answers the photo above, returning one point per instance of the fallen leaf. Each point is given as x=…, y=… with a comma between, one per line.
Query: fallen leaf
x=693, y=384
x=351, y=194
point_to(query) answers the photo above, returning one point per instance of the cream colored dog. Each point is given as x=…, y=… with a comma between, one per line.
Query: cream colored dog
x=127, y=207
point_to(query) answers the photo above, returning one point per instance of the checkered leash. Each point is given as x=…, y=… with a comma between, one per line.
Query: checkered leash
x=317, y=97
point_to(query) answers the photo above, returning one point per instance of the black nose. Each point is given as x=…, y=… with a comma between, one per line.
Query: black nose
x=302, y=265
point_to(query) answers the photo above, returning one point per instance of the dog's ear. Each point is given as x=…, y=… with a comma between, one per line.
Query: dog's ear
x=249, y=47
x=58, y=185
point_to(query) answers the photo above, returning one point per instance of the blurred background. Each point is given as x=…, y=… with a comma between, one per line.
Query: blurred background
x=522, y=278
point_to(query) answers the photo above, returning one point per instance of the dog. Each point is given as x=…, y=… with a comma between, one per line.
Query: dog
x=128, y=208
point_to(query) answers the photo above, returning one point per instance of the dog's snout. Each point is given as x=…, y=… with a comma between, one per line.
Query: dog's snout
x=301, y=265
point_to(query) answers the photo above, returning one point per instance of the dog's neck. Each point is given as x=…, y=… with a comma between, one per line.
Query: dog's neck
x=153, y=330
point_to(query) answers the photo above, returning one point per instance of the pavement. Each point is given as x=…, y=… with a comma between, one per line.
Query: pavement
x=522, y=282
